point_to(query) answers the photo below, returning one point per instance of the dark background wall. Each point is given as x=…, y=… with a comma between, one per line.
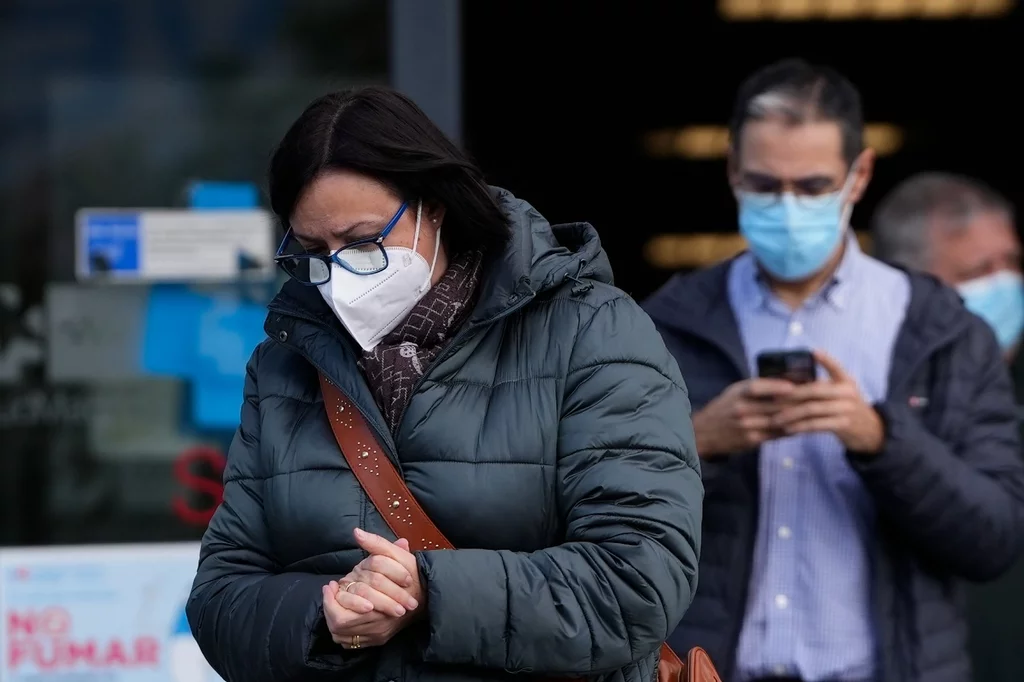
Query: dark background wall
x=558, y=96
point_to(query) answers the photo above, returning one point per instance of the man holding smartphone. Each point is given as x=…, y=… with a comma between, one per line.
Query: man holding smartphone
x=841, y=513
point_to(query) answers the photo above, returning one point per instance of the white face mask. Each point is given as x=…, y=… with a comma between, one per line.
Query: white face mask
x=371, y=306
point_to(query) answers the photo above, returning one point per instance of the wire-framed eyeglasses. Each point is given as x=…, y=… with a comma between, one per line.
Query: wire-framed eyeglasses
x=364, y=257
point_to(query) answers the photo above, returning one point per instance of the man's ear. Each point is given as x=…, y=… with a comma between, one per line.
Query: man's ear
x=863, y=169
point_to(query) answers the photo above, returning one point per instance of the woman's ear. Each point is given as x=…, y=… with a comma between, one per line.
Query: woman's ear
x=434, y=213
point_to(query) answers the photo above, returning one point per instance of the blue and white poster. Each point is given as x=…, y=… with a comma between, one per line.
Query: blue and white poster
x=101, y=613
x=175, y=245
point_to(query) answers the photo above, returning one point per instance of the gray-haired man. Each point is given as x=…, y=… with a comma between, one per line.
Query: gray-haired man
x=962, y=231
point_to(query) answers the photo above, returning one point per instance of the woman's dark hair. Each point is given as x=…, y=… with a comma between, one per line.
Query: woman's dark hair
x=383, y=134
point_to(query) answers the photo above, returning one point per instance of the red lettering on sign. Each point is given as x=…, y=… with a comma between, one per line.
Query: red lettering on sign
x=43, y=640
x=211, y=489
x=81, y=652
x=51, y=621
x=147, y=651
x=51, y=653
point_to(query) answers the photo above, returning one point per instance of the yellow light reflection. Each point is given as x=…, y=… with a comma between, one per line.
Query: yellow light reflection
x=836, y=10
x=859, y=10
x=691, y=142
x=945, y=9
x=741, y=10
x=990, y=8
x=712, y=141
x=792, y=9
x=891, y=9
x=885, y=138
x=684, y=251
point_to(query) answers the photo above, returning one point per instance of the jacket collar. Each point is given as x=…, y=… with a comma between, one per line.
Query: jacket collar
x=697, y=305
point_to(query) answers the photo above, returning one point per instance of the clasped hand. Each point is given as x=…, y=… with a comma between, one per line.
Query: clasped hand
x=378, y=598
x=757, y=410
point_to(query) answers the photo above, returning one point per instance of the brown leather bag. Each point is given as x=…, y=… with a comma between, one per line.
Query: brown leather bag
x=406, y=518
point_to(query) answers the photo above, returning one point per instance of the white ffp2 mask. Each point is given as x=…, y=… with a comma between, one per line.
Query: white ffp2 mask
x=371, y=306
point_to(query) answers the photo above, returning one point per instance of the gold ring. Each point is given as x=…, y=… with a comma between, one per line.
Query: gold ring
x=355, y=641
x=348, y=588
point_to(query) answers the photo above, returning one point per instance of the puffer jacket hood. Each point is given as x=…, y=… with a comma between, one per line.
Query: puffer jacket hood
x=547, y=254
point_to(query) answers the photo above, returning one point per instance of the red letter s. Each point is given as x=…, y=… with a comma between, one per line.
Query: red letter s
x=213, y=489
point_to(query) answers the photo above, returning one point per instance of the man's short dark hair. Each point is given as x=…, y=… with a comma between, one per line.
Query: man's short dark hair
x=900, y=225
x=798, y=92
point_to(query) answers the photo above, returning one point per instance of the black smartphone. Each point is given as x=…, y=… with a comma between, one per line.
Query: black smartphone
x=797, y=366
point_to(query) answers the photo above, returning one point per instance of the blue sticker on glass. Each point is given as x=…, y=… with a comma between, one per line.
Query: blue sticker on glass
x=112, y=243
x=205, y=338
x=171, y=334
x=223, y=195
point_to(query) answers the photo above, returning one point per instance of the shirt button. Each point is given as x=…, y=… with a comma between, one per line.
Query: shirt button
x=780, y=670
x=781, y=601
x=785, y=533
x=787, y=462
x=796, y=329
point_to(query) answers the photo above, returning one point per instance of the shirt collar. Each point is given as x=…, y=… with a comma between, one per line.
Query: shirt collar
x=837, y=292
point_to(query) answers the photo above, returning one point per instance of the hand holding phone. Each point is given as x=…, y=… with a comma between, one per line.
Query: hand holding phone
x=832, y=405
x=740, y=418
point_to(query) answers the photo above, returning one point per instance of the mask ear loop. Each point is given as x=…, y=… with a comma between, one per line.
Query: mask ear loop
x=844, y=194
x=844, y=191
x=416, y=236
x=437, y=246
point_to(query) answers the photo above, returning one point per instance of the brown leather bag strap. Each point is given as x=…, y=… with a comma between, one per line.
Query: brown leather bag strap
x=378, y=476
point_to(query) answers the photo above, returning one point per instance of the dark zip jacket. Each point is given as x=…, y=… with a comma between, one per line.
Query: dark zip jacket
x=948, y=486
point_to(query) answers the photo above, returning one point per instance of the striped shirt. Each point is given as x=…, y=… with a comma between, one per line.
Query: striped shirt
x=809, y=612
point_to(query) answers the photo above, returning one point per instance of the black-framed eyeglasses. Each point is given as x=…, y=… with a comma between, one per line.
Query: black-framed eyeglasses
x=762, y=191
x=364, y=257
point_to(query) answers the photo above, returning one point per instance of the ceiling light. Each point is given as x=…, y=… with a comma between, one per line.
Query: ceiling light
x=884, y=138
x=691, y=142
x=685, y=251
x=712, y=141
x=860, y=10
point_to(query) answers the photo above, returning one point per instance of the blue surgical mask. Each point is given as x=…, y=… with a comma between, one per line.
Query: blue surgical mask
x=999, y=300
x=793, y=237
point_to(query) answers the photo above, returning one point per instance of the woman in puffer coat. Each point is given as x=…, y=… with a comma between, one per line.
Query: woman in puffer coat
x=530, y=406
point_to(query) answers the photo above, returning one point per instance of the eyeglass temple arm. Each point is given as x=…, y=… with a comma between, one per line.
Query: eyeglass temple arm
x=280, y=247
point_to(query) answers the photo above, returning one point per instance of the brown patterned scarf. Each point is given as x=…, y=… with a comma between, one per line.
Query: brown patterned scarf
x=396, y=364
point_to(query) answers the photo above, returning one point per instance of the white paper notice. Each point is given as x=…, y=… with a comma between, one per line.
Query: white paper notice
x=174, y=245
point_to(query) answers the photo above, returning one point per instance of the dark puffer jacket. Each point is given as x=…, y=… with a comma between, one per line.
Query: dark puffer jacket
x=551, y=440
